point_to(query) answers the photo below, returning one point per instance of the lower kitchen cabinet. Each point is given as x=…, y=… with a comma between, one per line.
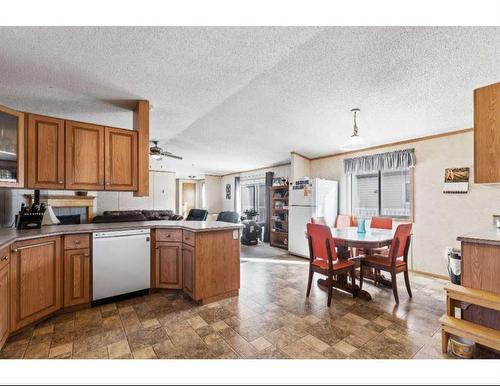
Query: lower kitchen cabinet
x=76, y=277
x=168, y=265
x=4, y=302
x=188, y=263
x=35, y=280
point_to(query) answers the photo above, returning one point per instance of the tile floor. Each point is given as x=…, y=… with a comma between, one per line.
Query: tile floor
x=270, y=319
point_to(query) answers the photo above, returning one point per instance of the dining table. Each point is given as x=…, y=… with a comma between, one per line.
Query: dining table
x=348, y=238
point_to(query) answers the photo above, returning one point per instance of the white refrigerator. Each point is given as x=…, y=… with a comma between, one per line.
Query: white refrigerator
x=309, y=198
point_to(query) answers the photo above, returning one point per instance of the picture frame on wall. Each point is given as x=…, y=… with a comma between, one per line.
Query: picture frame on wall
x=228, y=191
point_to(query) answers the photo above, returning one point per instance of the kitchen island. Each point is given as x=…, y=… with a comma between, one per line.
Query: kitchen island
x=48, y=270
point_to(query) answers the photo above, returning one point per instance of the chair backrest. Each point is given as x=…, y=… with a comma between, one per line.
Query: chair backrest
x=197, y=215
x=318, y=220
x=321, y=244
x=229, y=216
x=381, y=222
x=401, y=242
x=343, y=221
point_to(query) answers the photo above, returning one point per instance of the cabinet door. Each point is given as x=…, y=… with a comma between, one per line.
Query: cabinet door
x=487, y=134
x=188, y=270
x=11, y=148
x=45, y=152
x=168, y=265
x=84, y=156
x=121, y=159
x=76, y=277
x=35, y=280
x=4, y=304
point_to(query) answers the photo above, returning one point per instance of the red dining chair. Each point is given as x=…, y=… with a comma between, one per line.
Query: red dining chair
x=381, y=222
x=343, y=221
x=323, y=258
x=396, y=261
x=318, y=220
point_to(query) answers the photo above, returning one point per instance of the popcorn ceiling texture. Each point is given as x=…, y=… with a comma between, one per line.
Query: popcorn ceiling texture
x=238, y=98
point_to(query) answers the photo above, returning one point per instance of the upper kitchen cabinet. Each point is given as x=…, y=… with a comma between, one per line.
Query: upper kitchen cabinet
x=11, y=148
x=120, y=159
x=45, y=152
x=487, y=134
x=84, y=156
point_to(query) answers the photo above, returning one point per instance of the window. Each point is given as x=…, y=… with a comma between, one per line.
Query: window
x=382, y=193
x=253, y=196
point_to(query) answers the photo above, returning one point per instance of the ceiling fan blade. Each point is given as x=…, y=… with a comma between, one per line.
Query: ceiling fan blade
x=168, y=154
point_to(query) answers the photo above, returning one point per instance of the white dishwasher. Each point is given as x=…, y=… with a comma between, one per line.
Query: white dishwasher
x=120, y=262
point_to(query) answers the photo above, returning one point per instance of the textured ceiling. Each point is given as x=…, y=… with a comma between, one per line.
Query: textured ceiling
x=236, y=98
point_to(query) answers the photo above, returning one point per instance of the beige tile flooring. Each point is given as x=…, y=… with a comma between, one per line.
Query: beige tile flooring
x=270, y=319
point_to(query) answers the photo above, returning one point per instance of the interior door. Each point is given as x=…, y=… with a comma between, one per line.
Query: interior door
x=188, y=197
x=121, y=159
x=84, y=156
x=45, y=152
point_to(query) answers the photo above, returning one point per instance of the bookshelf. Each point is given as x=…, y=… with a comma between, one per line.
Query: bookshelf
x=279, y=216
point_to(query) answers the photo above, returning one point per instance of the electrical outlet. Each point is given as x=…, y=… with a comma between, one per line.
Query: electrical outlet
x=235, y=234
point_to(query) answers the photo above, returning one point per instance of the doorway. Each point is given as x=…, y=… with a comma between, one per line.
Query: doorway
x=188, y=197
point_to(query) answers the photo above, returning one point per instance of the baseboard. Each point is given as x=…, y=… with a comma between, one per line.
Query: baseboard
x=444, y=277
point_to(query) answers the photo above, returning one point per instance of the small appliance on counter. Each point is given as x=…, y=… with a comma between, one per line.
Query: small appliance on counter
x=496, y=220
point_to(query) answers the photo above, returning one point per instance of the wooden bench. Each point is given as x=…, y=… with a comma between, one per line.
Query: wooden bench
x=460, y=296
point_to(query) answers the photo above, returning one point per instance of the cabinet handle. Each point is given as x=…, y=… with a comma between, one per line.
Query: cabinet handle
x=6, y=257
x=61, y=181
x=32, y=246
x=86, y=254
x=77, y=241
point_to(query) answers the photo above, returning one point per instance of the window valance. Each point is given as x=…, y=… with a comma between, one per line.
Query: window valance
x=393, y=160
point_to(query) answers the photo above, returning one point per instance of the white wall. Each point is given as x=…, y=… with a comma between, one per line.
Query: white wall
x=213, y=199
x=279, y=171
x=438, y=218
x=300, y=167
x=161, y=195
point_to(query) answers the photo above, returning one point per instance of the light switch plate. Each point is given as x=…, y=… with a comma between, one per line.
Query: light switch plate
x=235, y=234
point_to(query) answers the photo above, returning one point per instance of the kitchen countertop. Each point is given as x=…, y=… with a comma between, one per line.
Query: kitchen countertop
x=8, y=236
x=489, y=235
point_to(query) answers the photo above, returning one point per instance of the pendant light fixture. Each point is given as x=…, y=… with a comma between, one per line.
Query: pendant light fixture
x=354, y=142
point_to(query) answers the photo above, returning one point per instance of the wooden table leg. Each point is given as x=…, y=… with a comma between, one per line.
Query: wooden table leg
x=344, y=286
x=371, y=276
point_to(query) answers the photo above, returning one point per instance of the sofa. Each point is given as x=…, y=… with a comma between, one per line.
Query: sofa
x=136, y=215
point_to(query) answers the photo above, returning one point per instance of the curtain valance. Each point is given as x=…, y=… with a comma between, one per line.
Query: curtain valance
x=399, y=159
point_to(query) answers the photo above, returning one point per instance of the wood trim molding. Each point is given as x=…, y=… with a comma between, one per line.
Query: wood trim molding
x=406, y=141
x=301, y=155
x=254, y=170
x=430, y=274
x=141, y=125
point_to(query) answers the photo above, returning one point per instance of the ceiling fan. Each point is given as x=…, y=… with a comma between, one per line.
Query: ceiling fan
x=157, y=152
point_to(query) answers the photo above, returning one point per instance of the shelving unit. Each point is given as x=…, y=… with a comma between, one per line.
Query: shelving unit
x=279, y=216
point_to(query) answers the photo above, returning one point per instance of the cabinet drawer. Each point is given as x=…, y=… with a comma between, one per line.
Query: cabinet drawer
x=4, y=257
x=76, y=241
x=169, y=235
x=188, y=238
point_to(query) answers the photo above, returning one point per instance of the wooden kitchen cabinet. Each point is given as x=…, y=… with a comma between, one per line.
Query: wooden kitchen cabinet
x=12, y=148
x=120, y=159
x=76, y=277
x=84, y=156
x=168, y=265
x=487, y=134
x=188, y=267
x=4, y=296
x=35, y=280
x=45, y=152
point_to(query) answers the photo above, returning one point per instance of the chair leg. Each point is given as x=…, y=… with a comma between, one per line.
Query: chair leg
x=330, y=290
x=309, y=282
x=407, y=282
x=394, y=287
x=361, y=269
x=353, y=281
x=375, y=276
x=445, y=337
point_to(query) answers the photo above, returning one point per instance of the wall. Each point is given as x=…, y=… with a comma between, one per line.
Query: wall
x=11, y=200
x=438, y=218
x=279, y=171
x=300, y=167
x=161, y=195
x=213, y=199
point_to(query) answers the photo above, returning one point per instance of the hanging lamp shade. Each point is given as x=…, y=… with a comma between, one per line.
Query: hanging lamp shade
x=355, y=141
